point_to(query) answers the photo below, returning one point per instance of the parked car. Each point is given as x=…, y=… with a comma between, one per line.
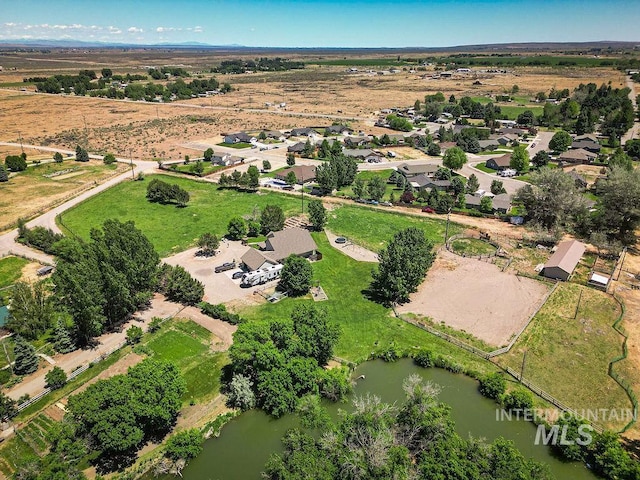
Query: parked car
x=386, y=204
x=428, y=210
x=360, y=200
x=224, y=267
x=372, y=202
x=237, y=275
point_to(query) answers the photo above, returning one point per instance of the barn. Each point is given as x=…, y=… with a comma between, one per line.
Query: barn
x=564, y=260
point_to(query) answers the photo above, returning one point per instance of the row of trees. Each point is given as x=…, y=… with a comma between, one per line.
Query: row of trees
x=340, y=171
x=16, y=163
x=275, y=363
x=249, y=180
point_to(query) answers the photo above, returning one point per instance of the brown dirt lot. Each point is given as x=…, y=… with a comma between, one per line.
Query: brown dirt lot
x=476, y=297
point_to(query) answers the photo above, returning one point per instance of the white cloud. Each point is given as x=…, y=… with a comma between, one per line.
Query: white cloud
x=114, y=30
x=135, y=30
x=197, y=29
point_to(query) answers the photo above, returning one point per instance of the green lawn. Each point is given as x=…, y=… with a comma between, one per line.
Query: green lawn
x=208, y=168
x=472, y=246
x=512, y=112
x=368, y=175
x=372, y=228
x=186, y=344
x=239, y=145
x=569, y=357
x=11, y=270
x=483, y=167
x=365, y=326
x=169, y=228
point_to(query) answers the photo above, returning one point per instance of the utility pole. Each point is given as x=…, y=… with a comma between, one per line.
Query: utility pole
x=86, y=133
x=131, y=164
x=524, y=361
x=20, y=137
x=446, y=230
x=302, y=183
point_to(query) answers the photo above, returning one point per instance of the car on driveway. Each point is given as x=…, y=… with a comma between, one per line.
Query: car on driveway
x=224, y=267
x=237, y=275
x=428, y=210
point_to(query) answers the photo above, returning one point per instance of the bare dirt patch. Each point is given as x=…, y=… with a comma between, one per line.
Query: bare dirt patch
x=30, y=272
x=476, y=297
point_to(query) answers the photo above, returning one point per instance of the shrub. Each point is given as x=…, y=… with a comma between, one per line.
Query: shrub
x=492, y=385
x=423, y=358
x=134, y=335
x=220, y=312
x=55, y=378
x=154, y=325
x=518, y=400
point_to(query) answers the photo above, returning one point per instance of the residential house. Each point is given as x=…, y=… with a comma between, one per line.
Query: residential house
x=472, y=201
x=424, y=182
x=499, y=163
x=397, y=138
x=279, y=245
x=588, y=143
x=296, y=147
x=578, y=155
x=357, y=141
x=518, y=132
x=338, y=130
x=444, y=146
x=274, y=135
x=303, y=173
x=507, y=139
x=225, y=159
x=240, y=137
x=414, y=169
x=254, y=259
x=502, y=203
x=488, y=144
x=564, y=260
x=303, y=132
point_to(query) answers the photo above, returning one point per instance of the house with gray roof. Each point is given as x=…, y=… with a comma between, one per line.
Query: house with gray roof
x=411, y=169
x=239, y=137
x=278, y=246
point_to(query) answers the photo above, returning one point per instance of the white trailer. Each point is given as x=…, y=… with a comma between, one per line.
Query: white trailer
x=263, y=275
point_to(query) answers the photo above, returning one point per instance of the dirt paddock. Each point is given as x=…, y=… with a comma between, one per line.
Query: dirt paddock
x=475, y=296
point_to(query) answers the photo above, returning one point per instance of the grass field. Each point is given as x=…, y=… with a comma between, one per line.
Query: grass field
x=11, y=270
x=368, y=175
x=208, y=168
x=512, y=112
x=29, y=191
x=186, y=344
x=365, y=326
x=171, y=229
x=569, y=357
x=239, y=145
x=472, y=246
x=372, y=228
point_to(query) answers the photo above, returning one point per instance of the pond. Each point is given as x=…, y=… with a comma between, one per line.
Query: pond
x=247, y=441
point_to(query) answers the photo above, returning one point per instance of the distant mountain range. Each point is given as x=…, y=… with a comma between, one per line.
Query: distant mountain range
x=528, y=46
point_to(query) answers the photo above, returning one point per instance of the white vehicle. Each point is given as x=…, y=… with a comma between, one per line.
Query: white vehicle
x=509, y=172
x=263, y=275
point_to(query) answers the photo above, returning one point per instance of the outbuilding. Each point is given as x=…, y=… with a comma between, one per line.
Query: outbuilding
x=564, y=260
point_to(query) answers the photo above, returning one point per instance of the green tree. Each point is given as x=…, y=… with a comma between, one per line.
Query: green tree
x=208, y=154
x=208, y=243
x=62, y=341
x=15, y=163
x=454, y=158
x=376, y=188
x=403, y=265
x=551, y=200
x=185, y=445
x=620, y=203
x=254, y=177
x=620, y=159
x=326, y=178
x=57, y=157
x=309, y=149
x=197, y=167
x=271, y=219
x=266, y=165
x=457, y=185
x=560, y=141
x=7, y=407
x=296, y=276
x=291, y=178
x=179, y=286
x=359, y=187
x=518, y=400
x=316, y=336
x=497, y=187
x=81, y=154
x=335, y=383
x=317, y=214
x=4, y=175
x=526, y=118
x=520, y=159
x=486, y=204
x=472, y=184
x=237, y=228
x=541, y=159
x=26, y=360
x=493, y=385
x=134, y=335
x=291, y=159
x=109, y=158
x=31, y=310
x=632, y=147
x=55, y=378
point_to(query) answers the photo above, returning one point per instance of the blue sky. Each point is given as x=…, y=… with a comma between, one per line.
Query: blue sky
x=322, y=23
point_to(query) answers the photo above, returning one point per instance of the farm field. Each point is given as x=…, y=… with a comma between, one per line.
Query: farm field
x=36, y=188
x=569, y=347
x=169, y=228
